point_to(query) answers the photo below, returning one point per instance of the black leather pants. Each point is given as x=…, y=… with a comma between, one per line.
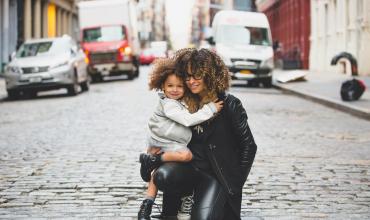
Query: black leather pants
x=179, y=179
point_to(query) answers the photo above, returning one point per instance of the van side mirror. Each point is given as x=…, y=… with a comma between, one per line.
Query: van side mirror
x=74, y=50
x=210, y=40
x=12, y=56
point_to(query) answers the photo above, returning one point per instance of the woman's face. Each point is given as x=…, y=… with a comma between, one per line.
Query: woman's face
x=195, y=82
x=196, y=85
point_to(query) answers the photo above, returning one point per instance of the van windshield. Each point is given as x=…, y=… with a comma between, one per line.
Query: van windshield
x=229, y=34
x=101, y=34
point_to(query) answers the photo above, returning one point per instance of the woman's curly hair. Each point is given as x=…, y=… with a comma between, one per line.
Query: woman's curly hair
x=162, y=69
x=207, y=64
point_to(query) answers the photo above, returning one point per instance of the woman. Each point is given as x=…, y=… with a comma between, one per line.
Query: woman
x=223, y=147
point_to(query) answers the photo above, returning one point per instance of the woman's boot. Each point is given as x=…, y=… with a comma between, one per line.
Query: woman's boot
x=145, y=210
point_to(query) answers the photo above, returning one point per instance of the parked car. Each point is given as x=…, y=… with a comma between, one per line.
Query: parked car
x=146, y=57
x=159, y=53
x=47, y=64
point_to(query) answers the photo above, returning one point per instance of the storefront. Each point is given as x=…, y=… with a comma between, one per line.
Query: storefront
x=8, y=30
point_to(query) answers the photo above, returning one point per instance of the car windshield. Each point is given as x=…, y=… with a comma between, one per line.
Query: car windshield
x=147, y=52
x=52, y=47
x=232, y=34
x=158, y=52
x=101, y=34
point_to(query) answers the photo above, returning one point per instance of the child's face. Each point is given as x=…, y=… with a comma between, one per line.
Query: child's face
x=173, y=87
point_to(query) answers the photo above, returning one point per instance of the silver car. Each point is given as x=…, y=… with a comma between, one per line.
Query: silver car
x=47, y=64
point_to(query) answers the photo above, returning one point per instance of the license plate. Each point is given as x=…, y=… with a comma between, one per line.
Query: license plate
x=245, y=71
x=105, y=72
x=35, y=79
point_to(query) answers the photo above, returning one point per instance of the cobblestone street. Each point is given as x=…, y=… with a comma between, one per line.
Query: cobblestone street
x=76, y=157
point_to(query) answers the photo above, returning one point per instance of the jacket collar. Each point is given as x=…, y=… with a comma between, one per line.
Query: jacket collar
x=222, y=95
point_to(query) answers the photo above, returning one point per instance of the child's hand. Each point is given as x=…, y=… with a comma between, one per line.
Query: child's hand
x=219, y=105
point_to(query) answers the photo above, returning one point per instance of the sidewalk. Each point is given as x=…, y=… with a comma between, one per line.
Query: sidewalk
x=324, y=88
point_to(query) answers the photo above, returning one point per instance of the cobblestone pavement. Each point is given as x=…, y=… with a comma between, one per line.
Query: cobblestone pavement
x=76, y=157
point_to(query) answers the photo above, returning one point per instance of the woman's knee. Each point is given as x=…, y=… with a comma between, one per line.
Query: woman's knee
x=172, y=176
x=165, y=175
x=160, y=177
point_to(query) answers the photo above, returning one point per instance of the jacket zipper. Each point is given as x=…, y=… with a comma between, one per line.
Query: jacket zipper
x=211, y=147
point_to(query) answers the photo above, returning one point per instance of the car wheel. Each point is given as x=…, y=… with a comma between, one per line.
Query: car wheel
x=13, y=94
x=131, y=75
x=85, y=85
x=137, y=69
x=73, y=89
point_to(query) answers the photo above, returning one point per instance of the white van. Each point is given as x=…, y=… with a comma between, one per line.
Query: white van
x=243, y=40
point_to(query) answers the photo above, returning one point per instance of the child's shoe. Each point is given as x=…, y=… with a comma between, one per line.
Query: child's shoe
x=145, y=210
x=148, y=164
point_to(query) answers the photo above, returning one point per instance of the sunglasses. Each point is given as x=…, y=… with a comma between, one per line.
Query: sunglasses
x=196, y=76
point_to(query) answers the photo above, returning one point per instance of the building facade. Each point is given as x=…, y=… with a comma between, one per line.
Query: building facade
x=340, y=26
x=200, y=21
x=160, y=28
x=25, y=19
x=145, y=16
x=290, y=28
x=242, y=5
x=152, y=21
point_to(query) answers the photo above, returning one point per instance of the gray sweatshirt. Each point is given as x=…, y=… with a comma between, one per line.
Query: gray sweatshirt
x=168, y=127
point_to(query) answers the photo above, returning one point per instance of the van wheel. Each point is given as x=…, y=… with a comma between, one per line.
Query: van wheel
x=267, y=83
x=137, y=72
x=137, y=68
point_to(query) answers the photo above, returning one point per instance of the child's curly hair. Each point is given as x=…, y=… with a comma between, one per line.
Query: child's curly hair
x=209, y=66
x=161, y=70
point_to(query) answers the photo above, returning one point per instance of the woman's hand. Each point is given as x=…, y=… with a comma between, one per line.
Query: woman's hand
x=219, y=105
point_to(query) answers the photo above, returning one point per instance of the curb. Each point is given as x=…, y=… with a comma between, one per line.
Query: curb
x=356, y=111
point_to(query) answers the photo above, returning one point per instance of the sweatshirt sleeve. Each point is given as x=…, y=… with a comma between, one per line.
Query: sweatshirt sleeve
x=181, y=115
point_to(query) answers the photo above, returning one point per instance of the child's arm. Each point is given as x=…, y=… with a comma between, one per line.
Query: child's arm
x=181, y=115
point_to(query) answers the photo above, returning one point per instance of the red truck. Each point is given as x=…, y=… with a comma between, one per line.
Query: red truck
x=109, y=38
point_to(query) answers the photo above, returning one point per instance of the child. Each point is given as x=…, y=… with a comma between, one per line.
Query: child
x=169, y=134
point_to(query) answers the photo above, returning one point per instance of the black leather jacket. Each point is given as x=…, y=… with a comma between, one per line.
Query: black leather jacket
x=230, y=148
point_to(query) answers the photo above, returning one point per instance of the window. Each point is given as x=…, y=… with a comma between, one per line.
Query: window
x=46, y=48
x=101, y=34
x=34, y=49
x=229, y=34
